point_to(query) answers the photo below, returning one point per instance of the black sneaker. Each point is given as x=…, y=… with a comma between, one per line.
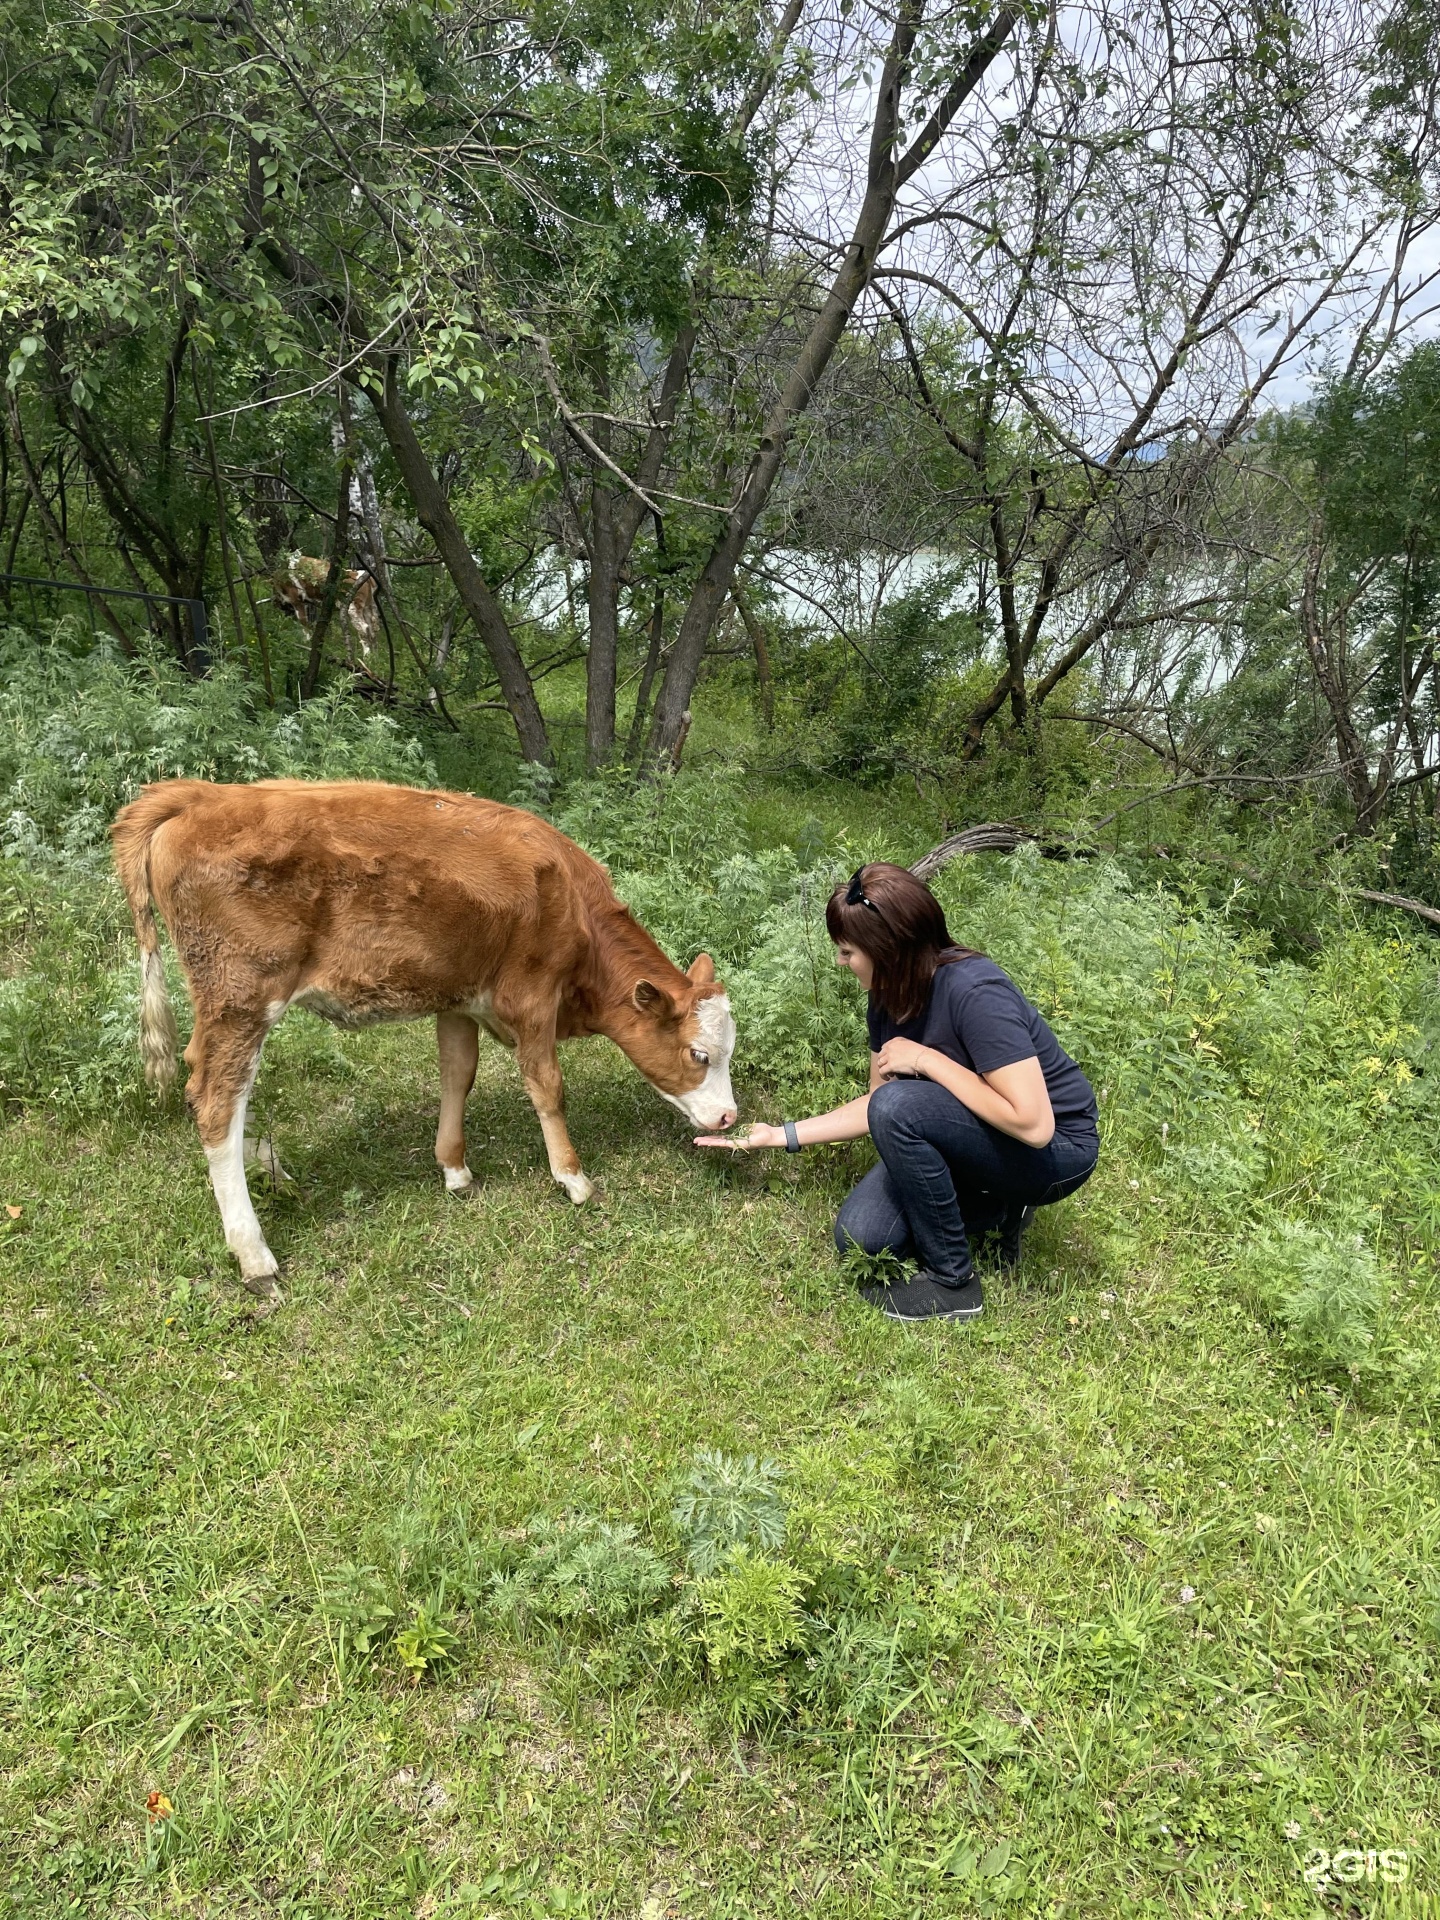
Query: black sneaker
x=1015, y=1224
x=923, y=1297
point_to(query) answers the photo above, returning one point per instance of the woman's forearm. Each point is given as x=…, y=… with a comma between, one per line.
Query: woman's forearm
x=850, y=1122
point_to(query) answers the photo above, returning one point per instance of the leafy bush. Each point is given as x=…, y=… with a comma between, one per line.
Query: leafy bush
x=687, y=822
x=750, y=1624
x=750, y=1610
x=863, y=706
x=1325, y=1292
x=580, y=1571
x=728, y=1503
x=362, y=1610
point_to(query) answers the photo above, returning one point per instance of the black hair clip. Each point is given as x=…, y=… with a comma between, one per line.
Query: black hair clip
x=855, y=895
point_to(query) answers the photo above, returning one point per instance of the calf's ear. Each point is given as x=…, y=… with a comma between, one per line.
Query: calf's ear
x=648, y=998
x=701, y=970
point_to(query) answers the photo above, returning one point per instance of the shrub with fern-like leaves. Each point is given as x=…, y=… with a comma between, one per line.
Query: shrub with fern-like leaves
x=728, y=1503
x=750, y=1610
x=1324, y=1290
x=751, y=1623
x=580, y=1571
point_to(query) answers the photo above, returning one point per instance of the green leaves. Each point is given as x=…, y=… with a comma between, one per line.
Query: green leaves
x=580, y=1571
x=1324, y=1290
x=750, y=1610
x=357, y=1604
x=966, y=1860
x=1375, y=448
x=726, y=1504
x=427, y=1642
x=21, y=358
x=361, y=1611
x=17, y=134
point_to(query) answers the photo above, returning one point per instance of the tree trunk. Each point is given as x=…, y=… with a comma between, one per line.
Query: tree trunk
x=764, y=678
x=886, y=176
x=310, y=679
x=1354, y=761
x=433, y=511
x=1009, y=617
x=647, y=677
x=615, y=521
x=602, y=590
x=712, y=588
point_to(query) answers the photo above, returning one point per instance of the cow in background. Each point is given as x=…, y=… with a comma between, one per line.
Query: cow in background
x=365, y=902
x=300, y=590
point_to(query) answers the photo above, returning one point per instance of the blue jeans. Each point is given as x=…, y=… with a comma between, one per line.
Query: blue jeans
x=945, y=1174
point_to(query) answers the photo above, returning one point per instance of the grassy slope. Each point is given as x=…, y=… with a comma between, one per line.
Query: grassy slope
x=179, y=1478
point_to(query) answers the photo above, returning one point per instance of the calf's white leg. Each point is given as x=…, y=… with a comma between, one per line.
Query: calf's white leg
x=243, y=1233
x=223, y=1055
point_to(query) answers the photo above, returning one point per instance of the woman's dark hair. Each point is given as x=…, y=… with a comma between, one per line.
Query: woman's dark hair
x=892, y=916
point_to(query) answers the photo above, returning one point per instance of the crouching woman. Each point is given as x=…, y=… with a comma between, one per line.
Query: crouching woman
x=977, y=1112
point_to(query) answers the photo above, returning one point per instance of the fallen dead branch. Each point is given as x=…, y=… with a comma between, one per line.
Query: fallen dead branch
x=1003, y=836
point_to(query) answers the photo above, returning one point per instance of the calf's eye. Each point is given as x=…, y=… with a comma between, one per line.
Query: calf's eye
x=699, y=1056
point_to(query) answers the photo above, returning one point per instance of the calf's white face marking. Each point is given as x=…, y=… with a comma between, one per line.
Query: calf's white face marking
x=712, y=1103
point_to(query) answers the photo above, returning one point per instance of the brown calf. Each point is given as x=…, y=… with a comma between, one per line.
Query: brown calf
x=366, y=902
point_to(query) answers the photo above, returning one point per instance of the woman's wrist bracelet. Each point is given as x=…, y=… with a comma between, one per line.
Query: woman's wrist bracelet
x=792, y=1139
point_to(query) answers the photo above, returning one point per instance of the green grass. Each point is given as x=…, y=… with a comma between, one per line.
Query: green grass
x=993, y=1697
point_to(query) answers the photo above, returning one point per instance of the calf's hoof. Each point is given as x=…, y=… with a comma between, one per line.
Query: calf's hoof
x=265, y=1288
x=258, y=1265
x=459, y=1181
x=576, y=1186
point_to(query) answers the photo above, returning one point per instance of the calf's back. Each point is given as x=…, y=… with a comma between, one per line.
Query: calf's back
x=366, y=901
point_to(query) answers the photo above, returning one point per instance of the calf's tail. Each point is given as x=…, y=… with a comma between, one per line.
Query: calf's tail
x=134, y=829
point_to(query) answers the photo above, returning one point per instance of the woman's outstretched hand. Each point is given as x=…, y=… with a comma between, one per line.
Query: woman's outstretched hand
x=745, y=1138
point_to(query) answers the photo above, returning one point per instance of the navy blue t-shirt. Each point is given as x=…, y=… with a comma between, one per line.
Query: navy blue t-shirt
x=976, y=1015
